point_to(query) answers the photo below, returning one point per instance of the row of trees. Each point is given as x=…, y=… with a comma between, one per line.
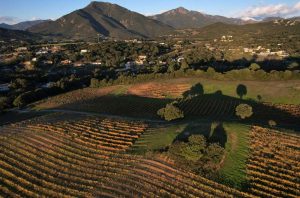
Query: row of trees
x=243, y=74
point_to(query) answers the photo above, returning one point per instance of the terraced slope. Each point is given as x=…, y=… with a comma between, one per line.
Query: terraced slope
x=64, y=155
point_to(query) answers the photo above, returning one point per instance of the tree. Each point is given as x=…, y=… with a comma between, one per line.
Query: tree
x=170, y=112
x=211, y=72
x=293, y=66
x=193, y=150
x=157, y=68
x=272, y=123
x=184, y=65
x=254, y=67
x=4, y=103
x=172, y=67
x=20, y=83
x=241, y=90
x=94, y=83
x=19, y=101
x=214, y=152
x=244, y=111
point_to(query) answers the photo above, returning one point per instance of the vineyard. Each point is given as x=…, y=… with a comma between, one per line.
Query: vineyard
x=64, y=155
x=210, y=106
x=274, y=165
x=159, y=90
x=220, y=107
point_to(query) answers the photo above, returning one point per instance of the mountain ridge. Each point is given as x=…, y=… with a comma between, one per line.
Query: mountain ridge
x=181, y=18
x=106, y=19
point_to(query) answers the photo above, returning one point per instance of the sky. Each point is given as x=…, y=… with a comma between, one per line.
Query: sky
x=14, y=11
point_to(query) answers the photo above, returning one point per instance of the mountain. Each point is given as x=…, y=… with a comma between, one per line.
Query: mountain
x=23, y=25
x=7, y=35
x=182, y=18
x=106, y=19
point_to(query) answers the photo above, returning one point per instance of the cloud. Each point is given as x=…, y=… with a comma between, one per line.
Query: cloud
x=9, y=20
x=278, y=10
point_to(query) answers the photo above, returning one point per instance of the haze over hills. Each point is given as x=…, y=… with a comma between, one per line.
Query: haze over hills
x=106, y=19
x=22, y=25
x=183, y=18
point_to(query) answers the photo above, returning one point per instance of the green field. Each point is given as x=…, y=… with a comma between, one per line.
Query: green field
x=237, y=151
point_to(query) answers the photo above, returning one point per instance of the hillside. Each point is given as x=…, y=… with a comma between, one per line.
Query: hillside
x=108, y=20
x=22, y=25
x=272, y=34
x=263, y=28
x=182, y=18
x=6, y=35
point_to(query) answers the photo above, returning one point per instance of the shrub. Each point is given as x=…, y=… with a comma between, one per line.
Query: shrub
x=244, y=111
x=170, y=112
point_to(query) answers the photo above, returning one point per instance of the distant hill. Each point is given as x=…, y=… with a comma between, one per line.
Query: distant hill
x=23, y=25
x=271, y=19
x=106, y=19
x=277, y=31
x=7, y=35
x=182, y=18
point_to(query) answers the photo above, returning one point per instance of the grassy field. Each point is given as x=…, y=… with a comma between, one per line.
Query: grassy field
x=236, y=151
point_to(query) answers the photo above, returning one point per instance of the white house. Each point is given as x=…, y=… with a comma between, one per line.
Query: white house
x=83, y=51
x=97, y=63
x=180, y=59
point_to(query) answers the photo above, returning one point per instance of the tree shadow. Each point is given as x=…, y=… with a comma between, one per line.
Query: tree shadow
x=218, y=134
x=195, y=90
x=241, y=90
x=194, y=129
x=209, y=107
x=120, y=105
x=214, y=132
x=218, y=107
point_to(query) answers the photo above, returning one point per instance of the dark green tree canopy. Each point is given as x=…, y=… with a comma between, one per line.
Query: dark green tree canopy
x=170, y=112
